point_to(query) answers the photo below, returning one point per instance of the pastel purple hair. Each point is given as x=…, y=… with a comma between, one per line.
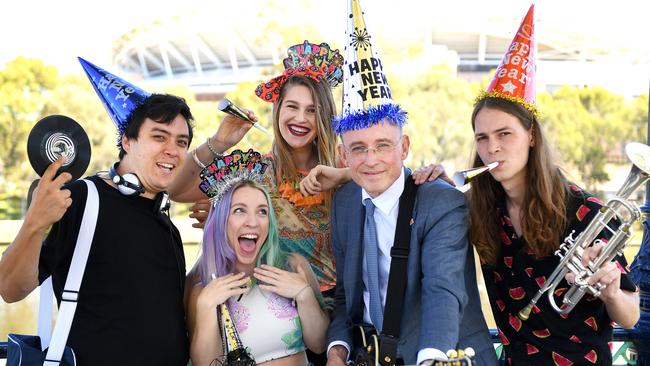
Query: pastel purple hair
x=216, y=254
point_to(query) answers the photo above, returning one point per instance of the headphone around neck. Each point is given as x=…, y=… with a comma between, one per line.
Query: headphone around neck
x=129, y=185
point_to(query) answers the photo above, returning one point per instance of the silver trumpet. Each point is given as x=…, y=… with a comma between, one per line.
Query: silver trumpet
x=571, y=251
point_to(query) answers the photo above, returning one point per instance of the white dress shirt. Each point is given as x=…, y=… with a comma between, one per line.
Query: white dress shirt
x=385, y=215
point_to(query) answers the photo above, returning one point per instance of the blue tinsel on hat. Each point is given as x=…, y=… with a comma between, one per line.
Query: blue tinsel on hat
x=357, y=120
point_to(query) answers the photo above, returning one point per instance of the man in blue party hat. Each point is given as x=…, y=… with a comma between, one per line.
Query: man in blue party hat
x=405, y=271
x=130, y=303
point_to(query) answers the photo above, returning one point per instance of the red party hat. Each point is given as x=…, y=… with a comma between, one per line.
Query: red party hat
x=514, y=79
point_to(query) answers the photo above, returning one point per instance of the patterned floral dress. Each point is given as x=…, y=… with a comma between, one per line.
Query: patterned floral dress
x=304, y=229
x=547, y=338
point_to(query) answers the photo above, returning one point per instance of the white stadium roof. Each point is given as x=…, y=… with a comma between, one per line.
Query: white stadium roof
x=214, y=47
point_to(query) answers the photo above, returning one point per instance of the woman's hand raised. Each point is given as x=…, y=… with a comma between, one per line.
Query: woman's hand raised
x=231, y=131
x=222, y=288
x=284, y=283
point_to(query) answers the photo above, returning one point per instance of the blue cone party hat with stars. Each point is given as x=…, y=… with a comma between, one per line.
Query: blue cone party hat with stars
x=118, y=95
x=367, y=98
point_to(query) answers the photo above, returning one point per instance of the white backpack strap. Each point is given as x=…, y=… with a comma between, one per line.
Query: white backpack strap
x=75, y=274
x=46, y=293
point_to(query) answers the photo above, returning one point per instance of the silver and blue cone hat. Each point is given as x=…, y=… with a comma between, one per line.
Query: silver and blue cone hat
x=367, y=97
x=119, y=96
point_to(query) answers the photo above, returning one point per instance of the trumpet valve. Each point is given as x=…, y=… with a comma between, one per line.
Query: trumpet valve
x=598, y=288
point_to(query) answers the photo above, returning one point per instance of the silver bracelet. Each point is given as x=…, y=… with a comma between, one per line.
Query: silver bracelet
x=196, y=159
x=298, y=293
x=212, y=149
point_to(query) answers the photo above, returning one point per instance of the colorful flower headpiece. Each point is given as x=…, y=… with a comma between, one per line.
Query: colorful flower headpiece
x=316, y=61
x=514, y=79
x=367, y=97
x=225, y=172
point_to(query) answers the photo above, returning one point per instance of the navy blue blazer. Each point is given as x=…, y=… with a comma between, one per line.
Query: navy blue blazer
x=442, y=307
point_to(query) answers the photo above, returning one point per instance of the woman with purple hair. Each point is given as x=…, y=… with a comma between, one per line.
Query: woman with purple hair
x=251, y=303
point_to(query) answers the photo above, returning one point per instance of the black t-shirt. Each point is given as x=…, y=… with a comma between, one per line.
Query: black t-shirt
x=548, y=338
x=130, y=309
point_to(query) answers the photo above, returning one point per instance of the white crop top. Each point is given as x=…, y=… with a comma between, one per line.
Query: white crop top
x=268, y=324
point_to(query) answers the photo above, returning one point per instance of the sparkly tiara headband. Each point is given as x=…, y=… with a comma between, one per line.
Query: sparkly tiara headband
x=225, y=172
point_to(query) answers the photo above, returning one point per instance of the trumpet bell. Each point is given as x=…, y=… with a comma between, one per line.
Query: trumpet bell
x=639, y=155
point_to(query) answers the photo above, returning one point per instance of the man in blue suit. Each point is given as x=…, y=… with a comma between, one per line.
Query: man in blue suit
x=441, y=308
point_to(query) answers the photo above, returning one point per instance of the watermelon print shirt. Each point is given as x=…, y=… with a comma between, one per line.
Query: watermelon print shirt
x=547, y=338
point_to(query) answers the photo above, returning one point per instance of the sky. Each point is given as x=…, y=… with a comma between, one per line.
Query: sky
x=58, y=31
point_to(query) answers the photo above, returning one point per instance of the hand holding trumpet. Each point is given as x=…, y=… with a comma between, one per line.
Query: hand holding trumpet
x=622, y=306
x=607, y=278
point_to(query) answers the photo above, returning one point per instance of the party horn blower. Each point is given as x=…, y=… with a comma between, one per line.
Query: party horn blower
x=227, y=106
x=463, y=177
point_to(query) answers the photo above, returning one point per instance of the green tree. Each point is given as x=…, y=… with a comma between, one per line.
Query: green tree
x=589, y=128
x=439, y=107
x=637, y=116
x=76, y=99
x=25, y=85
